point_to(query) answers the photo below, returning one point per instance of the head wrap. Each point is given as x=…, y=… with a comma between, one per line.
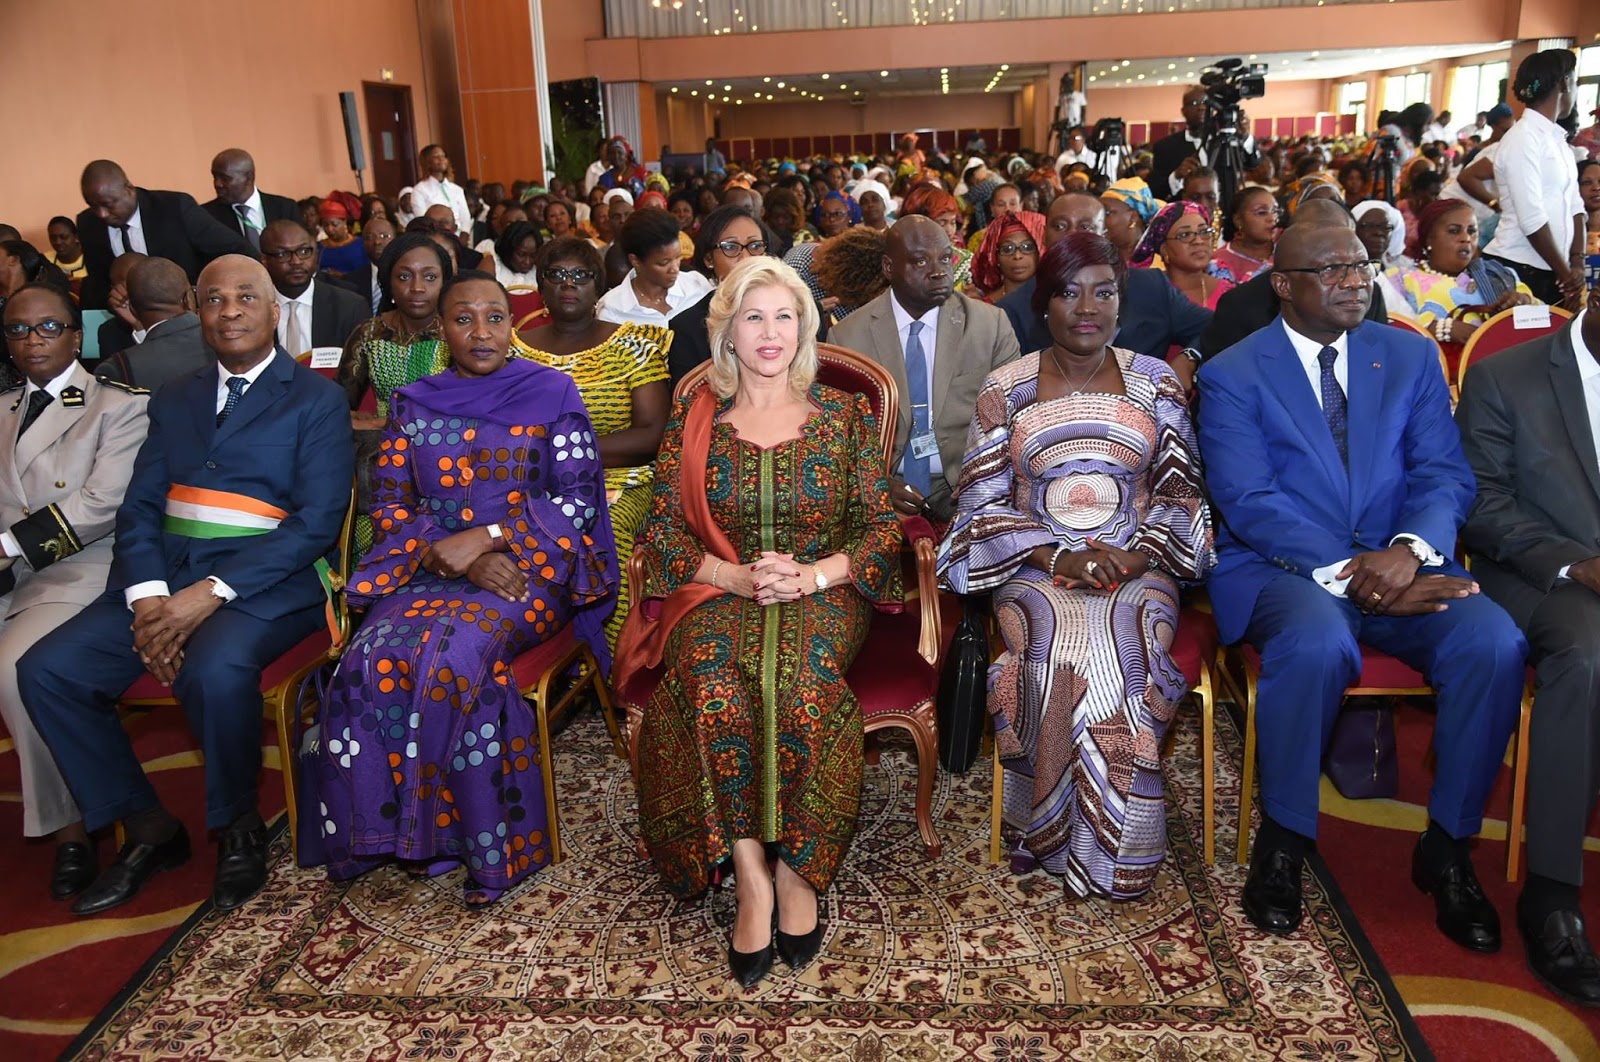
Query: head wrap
x=651, y=198
x=625, y=145
x=1136, y=194
x=1165, y=221
x=402, y=214
x=332, y=208
x=1299, y=190
x=659, y=182
x=786, y=167
x=618, y=193
x=1397, y=221
x=850, y=204
x=861, y=188
x=1418, y=248
x=1017, y=165
x=986, y=266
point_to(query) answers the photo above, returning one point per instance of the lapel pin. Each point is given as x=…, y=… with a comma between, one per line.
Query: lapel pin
x=1377, y=365
x=71, y=397
x=15, y=404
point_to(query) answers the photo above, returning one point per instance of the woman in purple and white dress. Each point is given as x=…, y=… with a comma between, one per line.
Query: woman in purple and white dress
x=1081, y=508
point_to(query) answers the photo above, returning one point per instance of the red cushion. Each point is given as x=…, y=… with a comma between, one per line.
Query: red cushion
x=314, y=645
x=838, y=374
x=889, y=675
x=1194, y=644
x=1378, y=670
x=530, y=665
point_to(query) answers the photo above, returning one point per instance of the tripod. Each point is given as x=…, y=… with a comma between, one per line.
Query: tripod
x=1226, y=155
x=1381, y=170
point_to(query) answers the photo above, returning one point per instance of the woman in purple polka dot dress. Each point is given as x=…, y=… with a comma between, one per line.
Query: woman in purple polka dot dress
x=491, y=533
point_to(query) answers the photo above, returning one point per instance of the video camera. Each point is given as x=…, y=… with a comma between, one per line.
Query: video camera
x=1229, y=81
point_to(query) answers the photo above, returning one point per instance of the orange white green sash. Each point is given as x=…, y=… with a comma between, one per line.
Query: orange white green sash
x=198, y=513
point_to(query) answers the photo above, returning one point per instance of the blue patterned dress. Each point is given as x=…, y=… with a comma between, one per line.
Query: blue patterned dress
x=1086, y=688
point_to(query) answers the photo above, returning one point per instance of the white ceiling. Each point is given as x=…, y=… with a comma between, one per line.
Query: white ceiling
x=1282, y=66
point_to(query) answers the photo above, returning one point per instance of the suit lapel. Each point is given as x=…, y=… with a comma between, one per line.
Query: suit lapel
x=886, y=337
x=1287, y=379
x=320, y=308
x=53, y=423
x=260, y=395
x=947, y=352
x=1568, y=386
x=1366, y=372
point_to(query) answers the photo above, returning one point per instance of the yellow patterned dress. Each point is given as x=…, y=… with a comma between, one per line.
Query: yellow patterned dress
x=606, y=375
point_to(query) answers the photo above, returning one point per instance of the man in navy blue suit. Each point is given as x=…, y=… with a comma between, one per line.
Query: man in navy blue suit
x=1340, y=484
x=239, y=489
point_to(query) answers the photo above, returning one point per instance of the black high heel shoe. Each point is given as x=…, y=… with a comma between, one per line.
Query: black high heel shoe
x=750, y=968
x=798, y=951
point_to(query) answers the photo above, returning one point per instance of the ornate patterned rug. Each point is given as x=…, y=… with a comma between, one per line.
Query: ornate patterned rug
x=922, y=960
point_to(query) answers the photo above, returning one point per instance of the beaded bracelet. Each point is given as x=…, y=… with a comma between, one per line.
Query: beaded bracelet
x=1054, y=559
x=715, y=569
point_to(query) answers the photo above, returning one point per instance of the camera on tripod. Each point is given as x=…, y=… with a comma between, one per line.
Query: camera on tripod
x=1226, y=83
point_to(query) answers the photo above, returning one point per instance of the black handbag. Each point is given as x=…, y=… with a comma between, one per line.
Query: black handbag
x=1361, y=761
x=964, y=688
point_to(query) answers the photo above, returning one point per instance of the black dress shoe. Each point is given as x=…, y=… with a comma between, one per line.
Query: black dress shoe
x=1464, y=913
x=241, y=866
x=1560, y=956
x=133, y=866
x=750, y=968
x=1272, y=891
x=799, y=950
x=75, y=870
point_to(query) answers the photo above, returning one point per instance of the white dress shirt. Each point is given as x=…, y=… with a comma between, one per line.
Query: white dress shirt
x=1538, y=186
x=8, y=541
x=1070, y=157
x=591, y=176
x=135, y=227
x=1310, y=354
x=142, y=334
x=253, y=209
x=1588, y=372
x=621, y=305
x=158, y=587
x=1175, y=183
x=430, y=190
x=295, y=309
x=928, y=337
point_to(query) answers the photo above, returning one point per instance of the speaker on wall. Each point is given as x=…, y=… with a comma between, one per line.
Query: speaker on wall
x=352, y=131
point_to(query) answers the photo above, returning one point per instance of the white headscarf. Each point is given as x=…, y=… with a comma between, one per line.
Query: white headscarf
x=619, y=193
x=405, y=216
x=862, y=187
x=1397, y=235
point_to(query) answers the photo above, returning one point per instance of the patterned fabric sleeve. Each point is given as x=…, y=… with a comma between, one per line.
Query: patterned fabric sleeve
x=874, y=546
x=674, y=551
x=649, y=355
x=354, y=374
x=399, y=529
x=990, y=538
x=1176, y=533
x=550, y=522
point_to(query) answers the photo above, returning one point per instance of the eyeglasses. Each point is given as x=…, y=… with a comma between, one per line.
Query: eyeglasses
x=1375, y=227
x=733, y=248
x=835, y=215
x=1334, y=273
x=562, y=275
x=302, y=253
x=1007, y=250
x=1192, y=235
x=49, y=328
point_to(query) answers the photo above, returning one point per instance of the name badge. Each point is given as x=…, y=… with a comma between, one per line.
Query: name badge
x=326, y=357
x=1536, y=315
x=924, y=446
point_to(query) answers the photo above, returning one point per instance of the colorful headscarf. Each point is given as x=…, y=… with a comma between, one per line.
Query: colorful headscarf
x=850, y=204
x=625, y=145
x=1299, y=190
x=1165, y=221
x=658, y=182
x=652, y=198
x=986, y=266
x=1136, y=194
x=532, y=192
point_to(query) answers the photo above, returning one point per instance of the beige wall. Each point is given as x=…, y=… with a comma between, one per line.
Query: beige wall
x=811, y=118
x=187, y=90
x=1163, y=103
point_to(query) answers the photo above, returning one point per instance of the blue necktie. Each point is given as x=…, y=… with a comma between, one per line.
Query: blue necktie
x=236, y=386
x=916, y=468
x=1334, y=406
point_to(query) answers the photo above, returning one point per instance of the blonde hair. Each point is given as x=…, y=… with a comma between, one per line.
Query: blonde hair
x=750, y=275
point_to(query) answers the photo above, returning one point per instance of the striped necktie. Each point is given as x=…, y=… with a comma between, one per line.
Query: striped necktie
x=236, y=386
x=249, y=227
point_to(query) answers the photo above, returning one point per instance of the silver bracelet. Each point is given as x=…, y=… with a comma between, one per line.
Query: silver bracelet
x=717, y=568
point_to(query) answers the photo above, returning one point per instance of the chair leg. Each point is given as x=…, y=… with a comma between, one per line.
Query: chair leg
x=590, y=669
x=1247, y=780
x=927, y=770
x=277, y=702
x=547, y=763
x=996, y=800
x=1208, y=801
x=1519, y=787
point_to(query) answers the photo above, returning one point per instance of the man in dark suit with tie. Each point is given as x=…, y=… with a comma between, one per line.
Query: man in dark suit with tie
x=1338, y=475
x=1180, y=152
x=1529, y=420
x=238, y=492
x=123, y=218
x=169, y=341
x=314, y=312
x=1155, y=315
x=239, y=203
x=939, y=345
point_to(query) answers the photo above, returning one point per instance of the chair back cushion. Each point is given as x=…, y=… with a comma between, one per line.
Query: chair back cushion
x=1500, y=332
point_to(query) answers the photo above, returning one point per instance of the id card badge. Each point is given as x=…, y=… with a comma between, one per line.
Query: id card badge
x=326, y=357
x=924, y=446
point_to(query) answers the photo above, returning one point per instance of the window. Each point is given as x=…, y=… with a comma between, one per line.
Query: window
x=1353, y=100
x=1475, y=89
x=1402, y=90
x=1588, y=83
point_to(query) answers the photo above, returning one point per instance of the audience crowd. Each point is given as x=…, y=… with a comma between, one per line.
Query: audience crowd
x=1116, y=392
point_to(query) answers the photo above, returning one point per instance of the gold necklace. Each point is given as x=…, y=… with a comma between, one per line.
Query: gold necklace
x=1087, y=380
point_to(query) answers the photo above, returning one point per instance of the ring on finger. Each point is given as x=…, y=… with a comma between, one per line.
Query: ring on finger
x=1092, y=566
x=1377, y=595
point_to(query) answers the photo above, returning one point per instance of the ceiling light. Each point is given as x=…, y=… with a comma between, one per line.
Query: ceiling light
x=780, y=84
x=674, y=88
x=1172, y=66
x=727, y=88
x=708, y=82
x=823, y=76
x=883, y=73
x=842, y=86
x=767, y=79
x=694, y=92
x=944, y=70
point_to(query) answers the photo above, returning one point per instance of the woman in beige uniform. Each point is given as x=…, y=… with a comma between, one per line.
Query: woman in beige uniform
x=67, y=445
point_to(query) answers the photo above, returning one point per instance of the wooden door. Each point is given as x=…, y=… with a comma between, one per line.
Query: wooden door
x=391, y=136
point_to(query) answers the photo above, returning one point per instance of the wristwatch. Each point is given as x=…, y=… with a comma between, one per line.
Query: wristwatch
x=822, y=580
x=1192, y=354
x=1415, y=545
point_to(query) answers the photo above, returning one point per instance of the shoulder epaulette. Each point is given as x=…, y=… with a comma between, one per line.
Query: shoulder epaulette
x=119, y=385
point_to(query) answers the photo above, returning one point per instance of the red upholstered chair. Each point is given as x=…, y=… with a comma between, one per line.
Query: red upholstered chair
x=1381, y=676
x=527, y=307
x=537, y=673
x=1500, y=332
x=281, y=680
x=1449, y=354
x=326, y=372
x=896, y=674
